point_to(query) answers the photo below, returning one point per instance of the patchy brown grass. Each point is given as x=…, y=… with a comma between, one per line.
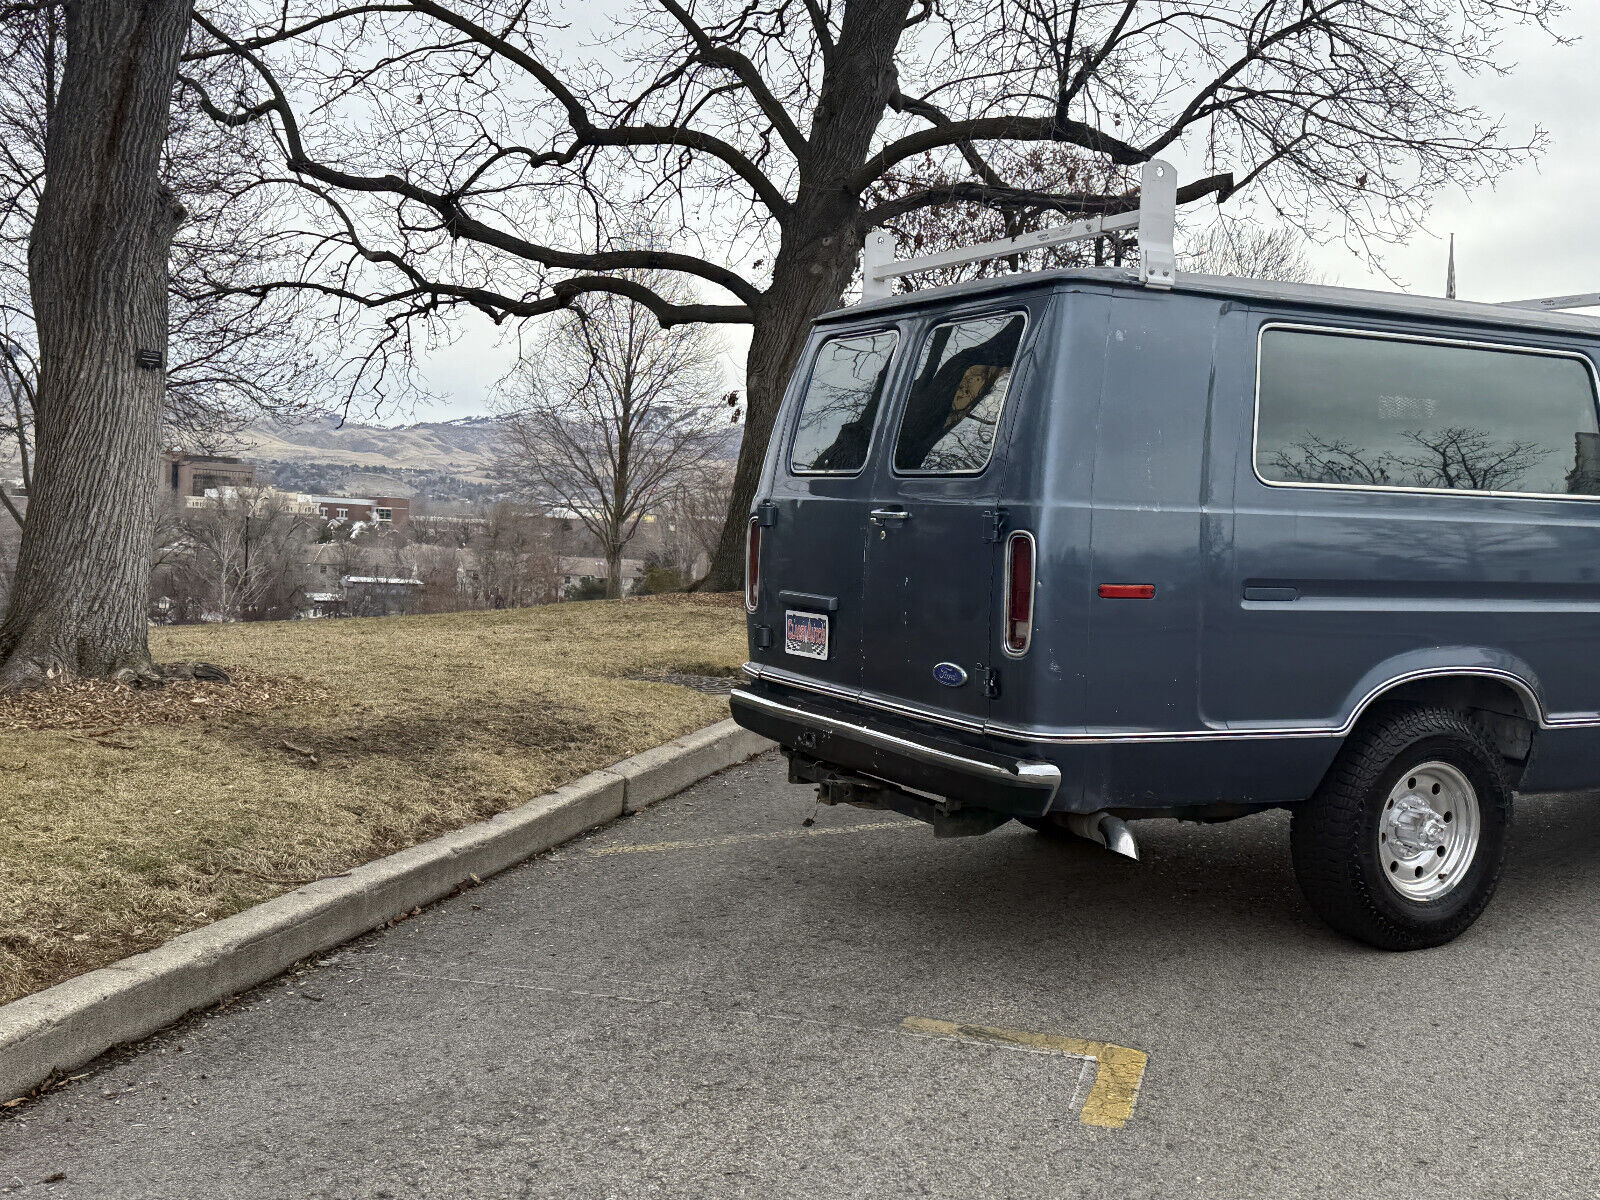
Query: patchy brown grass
x=127, y=817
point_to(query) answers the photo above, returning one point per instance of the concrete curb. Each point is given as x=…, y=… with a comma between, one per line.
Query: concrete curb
x=67, y=1025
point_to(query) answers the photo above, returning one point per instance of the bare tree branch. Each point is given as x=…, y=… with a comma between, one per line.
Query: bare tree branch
x=470, y=158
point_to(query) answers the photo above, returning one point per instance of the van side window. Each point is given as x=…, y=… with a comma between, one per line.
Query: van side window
x=1362, y=411
x=957, y=396
x=841, y=403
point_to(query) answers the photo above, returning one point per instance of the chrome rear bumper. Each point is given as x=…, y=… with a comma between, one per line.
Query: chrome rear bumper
x=827, y=732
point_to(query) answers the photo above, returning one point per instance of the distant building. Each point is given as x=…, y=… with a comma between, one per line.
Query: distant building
x=343, y=581
x=259, y=500
x=325, y=604
x=591, y=570
x=381, y=595
x=393, y=512
x=323, y=564
x=196, y=474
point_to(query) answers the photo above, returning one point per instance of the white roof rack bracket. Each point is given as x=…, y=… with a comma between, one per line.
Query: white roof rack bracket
x=1158, y=220
x=1155, y=219
x=1556, y=303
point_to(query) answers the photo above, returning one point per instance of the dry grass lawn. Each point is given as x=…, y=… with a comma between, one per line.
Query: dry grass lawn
x=128, y=817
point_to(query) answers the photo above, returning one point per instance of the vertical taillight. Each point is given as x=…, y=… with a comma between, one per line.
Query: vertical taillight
x=1019, y=593
x=752, y=564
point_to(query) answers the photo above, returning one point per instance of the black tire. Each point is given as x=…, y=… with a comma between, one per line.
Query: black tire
x=1334, y=835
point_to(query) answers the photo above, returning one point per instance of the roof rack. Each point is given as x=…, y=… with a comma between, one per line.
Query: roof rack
x=1556, y=303
x=1155, y=219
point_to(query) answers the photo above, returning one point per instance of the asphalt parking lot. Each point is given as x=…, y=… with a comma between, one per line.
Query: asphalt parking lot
x=711, y=999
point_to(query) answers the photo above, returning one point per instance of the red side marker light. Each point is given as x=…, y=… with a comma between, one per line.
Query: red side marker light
x=1127, y=591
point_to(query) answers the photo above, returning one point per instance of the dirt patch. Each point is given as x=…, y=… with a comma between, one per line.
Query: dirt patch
x=706, y=685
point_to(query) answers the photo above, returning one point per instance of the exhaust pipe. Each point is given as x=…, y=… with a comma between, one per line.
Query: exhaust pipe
x=1111, y=832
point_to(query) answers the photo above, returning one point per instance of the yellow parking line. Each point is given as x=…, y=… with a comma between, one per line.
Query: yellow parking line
x=735, y=839
x=1118, y=1073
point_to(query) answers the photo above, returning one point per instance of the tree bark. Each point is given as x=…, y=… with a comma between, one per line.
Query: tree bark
x=613, y=572
x=822, y=236
x=97, y=269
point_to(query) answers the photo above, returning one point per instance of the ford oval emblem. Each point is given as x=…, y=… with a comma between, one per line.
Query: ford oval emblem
x=949, y=674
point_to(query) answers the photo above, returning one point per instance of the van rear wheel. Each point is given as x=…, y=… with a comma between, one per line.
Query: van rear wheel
x=1402, y=844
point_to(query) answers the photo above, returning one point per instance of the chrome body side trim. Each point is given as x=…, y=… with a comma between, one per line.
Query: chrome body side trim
x=1091, y=737
x=1046, y=777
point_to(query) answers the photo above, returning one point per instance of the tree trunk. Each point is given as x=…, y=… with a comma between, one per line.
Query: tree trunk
x=818, y=248
x=777, y=336
x=97, y=269
x=614, y=573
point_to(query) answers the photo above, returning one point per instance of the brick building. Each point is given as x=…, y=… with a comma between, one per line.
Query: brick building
x=392, y=511
x=195, y=474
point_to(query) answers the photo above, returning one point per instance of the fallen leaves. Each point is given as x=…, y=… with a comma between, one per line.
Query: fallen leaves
x=96, y=709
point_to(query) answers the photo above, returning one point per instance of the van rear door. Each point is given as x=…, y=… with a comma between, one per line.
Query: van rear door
x=934, y=545
x=816, y=512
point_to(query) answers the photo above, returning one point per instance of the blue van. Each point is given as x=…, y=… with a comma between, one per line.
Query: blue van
x=1072, y=549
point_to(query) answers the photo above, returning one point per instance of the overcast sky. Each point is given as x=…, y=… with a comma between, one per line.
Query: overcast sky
x=1536, y=234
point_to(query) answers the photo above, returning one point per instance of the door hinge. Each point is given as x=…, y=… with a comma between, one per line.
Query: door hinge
x=763, y=637
x=766, y=514
x=991, y=683
x=994, y=524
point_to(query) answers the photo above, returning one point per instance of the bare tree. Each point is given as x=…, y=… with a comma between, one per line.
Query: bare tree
x=239, y=557
x=9, y=536
x=438, y=567
x=105, y=352
x=1458, y=456
x=694, y=510
x=1331, y=460
x=1032, y=174
x=460, y=154
x=17, y=374
x=514, y=560
x=1252, y=252
x=1454, y=456
x=608, y=416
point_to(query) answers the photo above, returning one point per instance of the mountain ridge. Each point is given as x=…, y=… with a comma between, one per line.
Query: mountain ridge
x=463, y=446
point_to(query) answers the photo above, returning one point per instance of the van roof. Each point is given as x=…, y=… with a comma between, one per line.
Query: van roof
x=1318, y=295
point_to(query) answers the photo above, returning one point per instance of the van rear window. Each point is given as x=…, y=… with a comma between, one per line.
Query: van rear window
x=957, y=397
x=841, y=403
x=1364, y=411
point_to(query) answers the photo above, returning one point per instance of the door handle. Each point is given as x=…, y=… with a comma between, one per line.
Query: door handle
x=879, y=515
x=1282, y=595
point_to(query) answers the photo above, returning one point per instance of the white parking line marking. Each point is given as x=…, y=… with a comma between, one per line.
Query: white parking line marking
x=738, y=839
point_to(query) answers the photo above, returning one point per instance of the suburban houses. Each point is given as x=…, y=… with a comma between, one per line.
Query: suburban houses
x=232, y=545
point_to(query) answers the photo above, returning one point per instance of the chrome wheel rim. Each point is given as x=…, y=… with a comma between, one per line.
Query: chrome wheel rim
x=1428, y=831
